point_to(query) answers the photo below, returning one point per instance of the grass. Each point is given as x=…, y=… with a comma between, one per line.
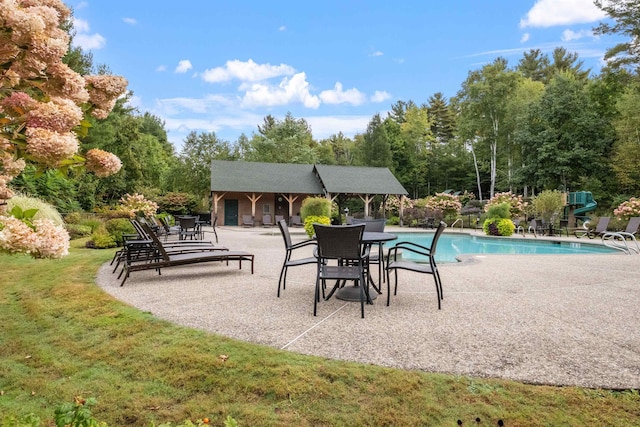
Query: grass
x=62, y=336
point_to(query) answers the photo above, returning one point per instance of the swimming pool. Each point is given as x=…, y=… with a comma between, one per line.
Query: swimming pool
x=451, y=245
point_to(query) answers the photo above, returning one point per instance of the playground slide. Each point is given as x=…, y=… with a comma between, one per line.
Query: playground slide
x=586, y=208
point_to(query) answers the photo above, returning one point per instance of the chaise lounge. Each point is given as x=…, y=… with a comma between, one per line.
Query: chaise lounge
x=159, y=258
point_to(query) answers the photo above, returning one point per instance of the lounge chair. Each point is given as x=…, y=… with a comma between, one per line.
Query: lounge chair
x=619, y=239
x=247, y=221
x=290, y=247
x=141, y=247
x=161, y=257
x=600, y=230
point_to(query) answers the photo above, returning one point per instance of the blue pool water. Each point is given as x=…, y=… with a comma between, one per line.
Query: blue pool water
x=452, y=245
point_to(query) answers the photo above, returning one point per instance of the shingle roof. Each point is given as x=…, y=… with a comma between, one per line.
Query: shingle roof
x=359, y=180
x=249, y=177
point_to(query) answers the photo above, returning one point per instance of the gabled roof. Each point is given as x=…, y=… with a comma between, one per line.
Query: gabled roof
x=258, y=177
x=358, y=180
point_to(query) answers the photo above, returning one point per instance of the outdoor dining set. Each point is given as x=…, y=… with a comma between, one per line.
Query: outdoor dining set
x=345, y=253
x=341, y=253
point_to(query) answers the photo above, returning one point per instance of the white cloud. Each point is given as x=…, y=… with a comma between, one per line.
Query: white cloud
x=247, y=71
x=282, y=28
x=83, y=39
x=398, y=60
x=380, y=96
x=525, y=38
x=81, y=5
x=207, y=104
x=338, y=96
x=376, y=53
x=568, y=35
x=130, y=21
x=89, y=41
x=549, y=13
x=161, y=68
x=80, y=25
x=294, y=89
x=325, y=126
x=183, y=66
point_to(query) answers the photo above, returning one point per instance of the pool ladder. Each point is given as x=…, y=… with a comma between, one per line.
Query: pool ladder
x=456, y=221
x=618, y=241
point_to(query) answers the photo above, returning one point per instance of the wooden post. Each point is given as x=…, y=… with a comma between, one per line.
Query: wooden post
x=253, y=199
x=216, y=198
x=366, y=199
x=290, y=199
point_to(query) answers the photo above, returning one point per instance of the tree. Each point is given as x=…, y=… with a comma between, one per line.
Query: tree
x=283, y=141
x=626, y=150
x=375, y=149
x=564, y=139
x=626, y=13
x=564, y=61
x=483, y=102
x=196, y=155
x=534, y=65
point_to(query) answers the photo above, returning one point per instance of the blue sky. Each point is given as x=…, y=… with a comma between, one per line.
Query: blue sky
x=222, y=66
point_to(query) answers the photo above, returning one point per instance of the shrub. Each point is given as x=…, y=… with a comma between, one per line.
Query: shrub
x=101, y=239
x=628, y=209
x=501, y=210
x=498, y=227
x=45, y=210
x=117, y=227
x=548, y=204
x=315, y=219
x=394, y=220
x=177, y=203
x=315, y=206
x=448, y=204
x=136, y=204
x=516, y=205
x=77, y=231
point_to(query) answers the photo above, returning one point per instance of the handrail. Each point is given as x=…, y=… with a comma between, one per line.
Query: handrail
x=461, y=223
x=617, y=241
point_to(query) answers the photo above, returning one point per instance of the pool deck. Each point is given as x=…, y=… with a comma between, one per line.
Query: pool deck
x=541, y=319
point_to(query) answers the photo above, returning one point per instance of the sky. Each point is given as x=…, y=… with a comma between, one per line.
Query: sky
x=222, y=66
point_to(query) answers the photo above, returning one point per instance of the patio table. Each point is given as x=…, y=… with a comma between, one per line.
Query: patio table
x=369, y=238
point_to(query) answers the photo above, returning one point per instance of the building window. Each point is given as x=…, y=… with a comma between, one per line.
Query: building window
x=266, y=209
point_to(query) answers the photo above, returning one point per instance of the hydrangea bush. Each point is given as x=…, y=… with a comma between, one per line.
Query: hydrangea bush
x=516, y=205
x=448, y=204
x=628, y=209
x=136, y=204
x=43, y=109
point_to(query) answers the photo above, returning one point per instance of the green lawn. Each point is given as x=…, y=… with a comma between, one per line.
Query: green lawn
x=62, y=336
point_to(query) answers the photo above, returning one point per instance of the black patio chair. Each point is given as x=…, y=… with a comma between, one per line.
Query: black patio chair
x=375, y=226
x=341, y=245
x=290, y=247
x=189, y=228
x=397, y=263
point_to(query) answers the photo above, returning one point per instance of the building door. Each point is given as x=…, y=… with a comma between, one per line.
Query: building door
x=231, y=212
x=282, y=207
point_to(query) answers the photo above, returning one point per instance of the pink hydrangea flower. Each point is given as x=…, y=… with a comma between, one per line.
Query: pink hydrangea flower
x=102, y=163
x=53, y=240
x=49, y=147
